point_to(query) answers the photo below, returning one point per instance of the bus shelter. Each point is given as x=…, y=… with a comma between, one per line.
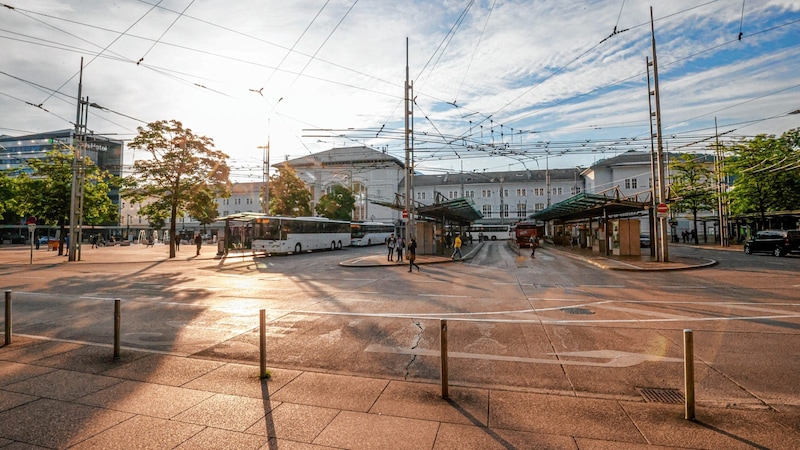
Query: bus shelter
x=606, y=223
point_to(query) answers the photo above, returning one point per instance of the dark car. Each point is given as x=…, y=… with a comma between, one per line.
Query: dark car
x=15, y=238
x=644, y=241
x=774, y=242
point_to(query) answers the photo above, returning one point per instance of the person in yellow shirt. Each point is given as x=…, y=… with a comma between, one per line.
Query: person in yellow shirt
x=457, y=248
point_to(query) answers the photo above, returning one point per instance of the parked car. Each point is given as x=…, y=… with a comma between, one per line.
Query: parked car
x=775, y=242
x=43, y=240
x=14, y=238
x=644, y=240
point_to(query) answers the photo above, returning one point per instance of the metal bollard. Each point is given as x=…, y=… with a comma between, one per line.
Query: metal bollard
x=262, y=343
x=443, y=339
x=8, y=318
x=117, y=323
x=688, y=373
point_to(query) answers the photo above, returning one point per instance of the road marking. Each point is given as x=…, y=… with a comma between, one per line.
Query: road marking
x=640, y=312
x=615, y=358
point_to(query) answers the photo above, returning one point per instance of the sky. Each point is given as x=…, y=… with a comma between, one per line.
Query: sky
x=497, y=84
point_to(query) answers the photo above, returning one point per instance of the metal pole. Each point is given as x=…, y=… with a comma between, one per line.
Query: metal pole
x=443, y=339
x=117, y=320
x=662, y=182
x=688, y=372
x=8, y=318
x=262, y=343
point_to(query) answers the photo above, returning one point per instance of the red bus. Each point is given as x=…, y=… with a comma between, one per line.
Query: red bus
x=525, y=230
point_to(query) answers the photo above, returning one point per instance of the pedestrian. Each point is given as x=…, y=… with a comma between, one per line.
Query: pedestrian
x=390, y=244
x=400, y=244
x=94, y=241
x=456, y=248
x=576, y=234
x=534, y=245
x=177, y=243
x=412, y=255
x=198, y=241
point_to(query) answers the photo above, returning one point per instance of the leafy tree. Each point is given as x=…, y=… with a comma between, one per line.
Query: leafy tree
x=182, y=171
x=44, y=189
x=204, y=208
x=6, y=193
x=338, y=204
x=766, y=173
x=288, y=195
x=692, y=186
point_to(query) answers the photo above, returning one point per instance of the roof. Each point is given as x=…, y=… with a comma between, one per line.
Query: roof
x=459, y=178
x=460, y=210
x=585, y=206
x=347, y=156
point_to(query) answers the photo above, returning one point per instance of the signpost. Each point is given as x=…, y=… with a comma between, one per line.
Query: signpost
x=662, y=209
x=31, y=229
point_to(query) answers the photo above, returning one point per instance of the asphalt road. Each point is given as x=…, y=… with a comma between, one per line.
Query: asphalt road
x=553, y=323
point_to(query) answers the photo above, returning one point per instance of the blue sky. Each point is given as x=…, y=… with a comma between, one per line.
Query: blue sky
x=498, y=84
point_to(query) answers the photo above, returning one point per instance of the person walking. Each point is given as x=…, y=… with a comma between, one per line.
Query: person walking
x=456, y=248
x=390, y=243
x=576, y=234
x=198, y=241
x=412, y=255
x=401, y=243
x=534, y=245
x=177, y=243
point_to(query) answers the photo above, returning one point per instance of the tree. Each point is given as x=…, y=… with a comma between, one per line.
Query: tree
x=6, y=193
x=288, y=195
x=44, y=190
x=766, y=173
x=692, y=186
x=337, y=204
x=183, y=169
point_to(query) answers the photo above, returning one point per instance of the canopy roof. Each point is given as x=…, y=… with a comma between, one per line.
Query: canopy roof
x=461, y=210
x=586, y=206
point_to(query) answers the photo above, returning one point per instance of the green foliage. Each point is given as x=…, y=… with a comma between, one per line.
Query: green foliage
x=44, y=189
x=337, y=204
x=692, y=185
x=183, y=172
x=6, y=193
x=766, y=172
x=288, y=195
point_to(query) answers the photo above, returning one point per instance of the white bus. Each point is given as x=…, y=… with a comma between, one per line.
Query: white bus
x=299, y=234
x=369, y=233
x=490, y=232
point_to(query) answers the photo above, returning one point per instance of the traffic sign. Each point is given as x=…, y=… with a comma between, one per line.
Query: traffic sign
x=662, y=209
x=31, y=220
x=405, y=214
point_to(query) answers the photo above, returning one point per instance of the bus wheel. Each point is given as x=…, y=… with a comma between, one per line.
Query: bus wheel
x=297, y=248
x=494, y=238
x=333, y=245
x=339, y=245
x=369, y=241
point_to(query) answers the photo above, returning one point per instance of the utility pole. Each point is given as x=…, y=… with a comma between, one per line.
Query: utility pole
x=265, y=198
x=722, y=205
x=655, y=250
x=78, y=172
x=662, y=185
x=409, y=161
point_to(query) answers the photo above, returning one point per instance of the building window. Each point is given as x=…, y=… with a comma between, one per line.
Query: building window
x=630, y=183
x=504, y=210
x=522, y=192
x=575, y=190
x=486, y=193
x=538, y=207
x=504, y=192
x=538, y=192
x=557, y=191
x=470, y=194
x=487, y=211
x=522, y=210
x=420, y=196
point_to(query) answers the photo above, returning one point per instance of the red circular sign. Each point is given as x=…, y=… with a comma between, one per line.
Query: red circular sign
x=662, y=208
x=405, y=214
x=31, y=220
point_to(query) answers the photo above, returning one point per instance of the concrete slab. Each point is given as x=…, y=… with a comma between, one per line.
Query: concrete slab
x=150, y=399
x=56, y=424
x=10, y=400
x=30, y=353
x=142, y=432
x=89, y=358
x=715, y=428
x=424, y=401
x=242, y=380
x=458, y=437
x=171, y=370
x=229, y=412
x=63, y=385
x=332, y=391
x=294, y=422
x=355, y=430
x=11, y=372
x=214, y=438
x=567, y=416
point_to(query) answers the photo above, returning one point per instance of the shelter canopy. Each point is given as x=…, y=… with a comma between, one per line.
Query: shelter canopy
x=587, y=206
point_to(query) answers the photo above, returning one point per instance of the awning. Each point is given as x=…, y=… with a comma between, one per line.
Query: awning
x=461, y=210
x=586, y=206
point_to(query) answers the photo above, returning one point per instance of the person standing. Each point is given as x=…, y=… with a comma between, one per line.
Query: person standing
x=198, y=241
x=401, y=243
x=390, y=243
x=177, y=243
x=576, y=234
x=534, y=245
x=412, y=255
x=456, y=248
